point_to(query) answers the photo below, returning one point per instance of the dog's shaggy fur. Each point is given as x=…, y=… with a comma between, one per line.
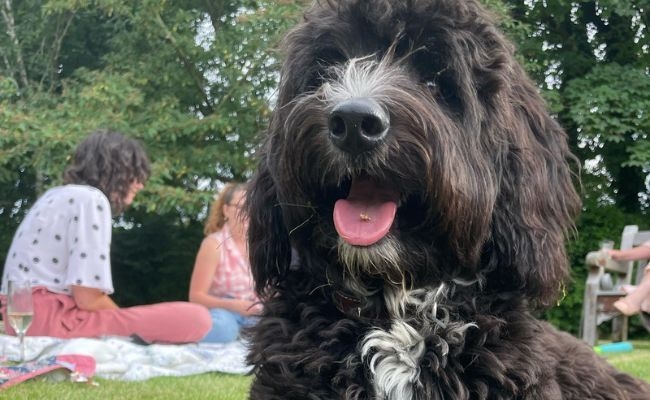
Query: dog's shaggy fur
x=421, y=104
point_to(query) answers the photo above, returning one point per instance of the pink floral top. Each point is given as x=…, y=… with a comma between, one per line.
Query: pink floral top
x=233, y=278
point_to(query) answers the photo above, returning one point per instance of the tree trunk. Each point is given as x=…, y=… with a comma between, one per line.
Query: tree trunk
x=21, y=71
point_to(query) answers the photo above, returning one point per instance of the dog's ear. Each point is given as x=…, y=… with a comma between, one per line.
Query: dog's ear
x=537, y=201
x=268, y=239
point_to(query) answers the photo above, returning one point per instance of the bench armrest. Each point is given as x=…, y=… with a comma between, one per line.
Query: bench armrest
x=597, y=259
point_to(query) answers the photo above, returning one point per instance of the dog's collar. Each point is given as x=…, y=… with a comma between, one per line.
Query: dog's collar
x=353, y=307
x=347, y=304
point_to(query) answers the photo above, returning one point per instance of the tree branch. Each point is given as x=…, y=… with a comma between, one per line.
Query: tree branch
x=188, y=65
x=6, y=62
x=8, y=16
x=61, y=31
x=215, y=10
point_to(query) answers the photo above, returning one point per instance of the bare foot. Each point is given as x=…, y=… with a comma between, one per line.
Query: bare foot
x=626, y=308
x=645, y=306
x=627, y=289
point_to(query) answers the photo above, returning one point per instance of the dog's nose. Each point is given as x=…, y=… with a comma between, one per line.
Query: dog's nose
x=357, y=125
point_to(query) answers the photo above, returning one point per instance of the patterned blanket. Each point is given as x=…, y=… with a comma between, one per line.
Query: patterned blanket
x=123, y=359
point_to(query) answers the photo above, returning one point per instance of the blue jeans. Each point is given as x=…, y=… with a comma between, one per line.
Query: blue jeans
x=226, y=325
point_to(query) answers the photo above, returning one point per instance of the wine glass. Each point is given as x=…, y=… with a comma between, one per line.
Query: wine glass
x=20, y=310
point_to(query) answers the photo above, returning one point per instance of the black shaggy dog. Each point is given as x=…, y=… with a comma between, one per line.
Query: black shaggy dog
x=408, y=216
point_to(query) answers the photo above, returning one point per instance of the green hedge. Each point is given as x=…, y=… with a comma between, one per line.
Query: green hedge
x=153, y=259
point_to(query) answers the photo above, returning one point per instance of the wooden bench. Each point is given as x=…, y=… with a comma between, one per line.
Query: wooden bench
x=603, y=288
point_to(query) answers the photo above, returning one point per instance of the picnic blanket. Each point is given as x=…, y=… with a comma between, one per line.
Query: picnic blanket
x=121, y=358
x=77, y=368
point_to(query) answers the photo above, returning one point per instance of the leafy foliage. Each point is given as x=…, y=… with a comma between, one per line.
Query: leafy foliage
x=609, y=102
x=152, y=261
x=592, y=57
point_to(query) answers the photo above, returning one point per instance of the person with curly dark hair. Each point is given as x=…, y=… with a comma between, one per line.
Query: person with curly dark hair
x=62, y=247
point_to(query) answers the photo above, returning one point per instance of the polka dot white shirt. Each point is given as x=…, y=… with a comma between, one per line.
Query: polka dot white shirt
x=64, y=240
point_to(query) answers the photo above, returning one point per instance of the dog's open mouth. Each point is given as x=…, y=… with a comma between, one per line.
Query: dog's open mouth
x=367, y=214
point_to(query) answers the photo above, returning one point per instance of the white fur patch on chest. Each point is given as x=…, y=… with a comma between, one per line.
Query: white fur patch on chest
x=395, y=360
x=395, y=355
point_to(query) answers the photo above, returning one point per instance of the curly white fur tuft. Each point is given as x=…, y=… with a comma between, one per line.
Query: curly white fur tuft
x=395, y=355
x=395, y=360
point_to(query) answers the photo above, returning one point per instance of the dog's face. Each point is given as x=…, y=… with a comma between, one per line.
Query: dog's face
x=408, y=147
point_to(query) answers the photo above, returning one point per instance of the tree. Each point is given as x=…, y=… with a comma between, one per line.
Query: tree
x=595, y=57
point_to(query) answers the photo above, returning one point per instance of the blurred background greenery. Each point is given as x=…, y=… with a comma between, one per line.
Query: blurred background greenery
x=194, y=80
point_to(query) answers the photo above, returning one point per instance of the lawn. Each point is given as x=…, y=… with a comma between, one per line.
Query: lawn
x=636, y=362
x=224, y=387
x=207, y=386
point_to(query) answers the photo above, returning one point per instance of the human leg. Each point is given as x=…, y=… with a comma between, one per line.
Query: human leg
x=638, y=299
x=247, y=322
x=173, y=322
x=170, y=322
x=627, y=289
x=225, y=326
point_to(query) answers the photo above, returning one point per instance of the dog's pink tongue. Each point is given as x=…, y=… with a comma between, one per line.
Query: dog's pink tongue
x=367, y=214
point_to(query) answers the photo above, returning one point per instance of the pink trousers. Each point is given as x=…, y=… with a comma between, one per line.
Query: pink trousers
x=173, y=322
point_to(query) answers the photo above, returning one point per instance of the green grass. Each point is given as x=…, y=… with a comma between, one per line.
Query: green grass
x=635, y=362
x=206, y=386
x=224, y=387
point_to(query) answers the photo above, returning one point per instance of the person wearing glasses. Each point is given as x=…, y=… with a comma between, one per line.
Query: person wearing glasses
x=221, y=278
x=62, y=247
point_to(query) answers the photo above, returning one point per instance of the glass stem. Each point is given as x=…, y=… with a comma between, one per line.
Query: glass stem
x=22, y=347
